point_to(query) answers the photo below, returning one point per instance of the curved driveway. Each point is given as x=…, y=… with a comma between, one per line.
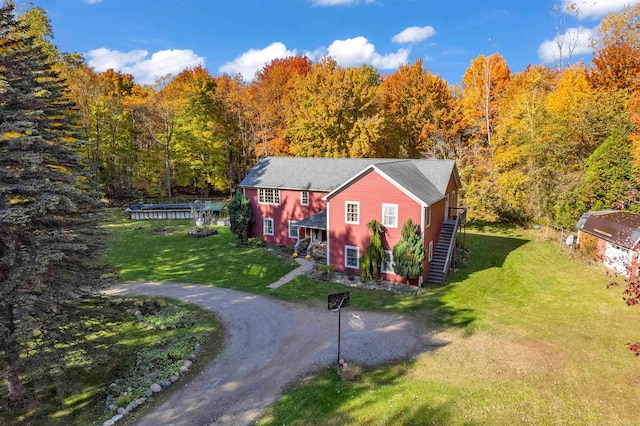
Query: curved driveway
x=269, y=345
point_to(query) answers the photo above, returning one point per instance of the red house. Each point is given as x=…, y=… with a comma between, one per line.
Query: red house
x=327, y=203
x=617, y=236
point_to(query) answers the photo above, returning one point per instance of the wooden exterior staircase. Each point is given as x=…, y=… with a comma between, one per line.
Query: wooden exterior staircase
x=445, y=248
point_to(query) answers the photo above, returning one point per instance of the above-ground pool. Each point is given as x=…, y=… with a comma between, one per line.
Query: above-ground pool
x=141, y=211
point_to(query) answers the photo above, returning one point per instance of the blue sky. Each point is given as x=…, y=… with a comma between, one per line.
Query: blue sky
x=152, y=38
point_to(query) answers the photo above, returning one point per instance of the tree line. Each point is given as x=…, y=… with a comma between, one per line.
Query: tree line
x=543, y=144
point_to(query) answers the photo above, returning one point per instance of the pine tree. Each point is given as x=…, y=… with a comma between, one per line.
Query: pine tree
x=409, y=253
x=49, y=238
x=374, y=254
x=240, y=216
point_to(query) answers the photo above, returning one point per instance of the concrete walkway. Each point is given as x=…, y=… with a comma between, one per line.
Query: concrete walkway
x=305, y=265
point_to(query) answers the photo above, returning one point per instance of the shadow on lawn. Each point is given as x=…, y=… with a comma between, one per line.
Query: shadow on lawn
x=333, y=400
x=485, y=252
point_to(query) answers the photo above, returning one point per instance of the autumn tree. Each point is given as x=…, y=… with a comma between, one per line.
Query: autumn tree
x=199, y=150
x=616, y=61
x=107, y=125
x=271, y=99
x=422, y=114
x=48, y=237
x=524, y=173
x=237, y=121
x=483, y=83
x=157, y=120
x=336, y=112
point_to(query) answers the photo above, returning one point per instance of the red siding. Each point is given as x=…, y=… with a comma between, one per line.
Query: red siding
x=288, y=209
x=371, y=191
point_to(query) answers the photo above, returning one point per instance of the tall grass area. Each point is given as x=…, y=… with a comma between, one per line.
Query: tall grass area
x=523, y=334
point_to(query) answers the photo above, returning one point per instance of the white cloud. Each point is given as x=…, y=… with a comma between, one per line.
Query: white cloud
x=414, y=34
x=145, y=70
x=357, y=51
x=253, y=60
x=92, y=1
x=599, y=8
x=578, y=39
x=352, y=52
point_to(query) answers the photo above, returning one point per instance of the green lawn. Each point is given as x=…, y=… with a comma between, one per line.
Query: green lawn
x=109, y=352
x=522, y=334
x=162, y=251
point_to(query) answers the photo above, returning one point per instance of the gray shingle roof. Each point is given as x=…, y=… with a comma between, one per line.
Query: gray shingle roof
x=317, y=221
x=426, y=179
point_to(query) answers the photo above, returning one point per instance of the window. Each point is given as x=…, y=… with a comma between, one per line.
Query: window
x=304, y=198
x=390, y=215
x=430, y=250
x=427, y=216
x=351, y=257
x=268, y=196
x=352, y=209
x=293, y=229
x=267, y=226
x=387, y=264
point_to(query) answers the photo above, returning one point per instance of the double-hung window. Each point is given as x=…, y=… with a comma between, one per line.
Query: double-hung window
x=267, y=226
x=304, y=198
x=351, y=257
x=352, y=212
x=268, y=196
x=387, y=264
x=390, y=215
x=293, y=229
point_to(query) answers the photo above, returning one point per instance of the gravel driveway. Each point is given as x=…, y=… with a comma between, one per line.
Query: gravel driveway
x=269, y=345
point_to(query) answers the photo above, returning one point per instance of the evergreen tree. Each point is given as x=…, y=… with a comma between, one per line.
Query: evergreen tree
x=374, y=254
x=240, y=216
x=609, y=181
x=409, y=253
x=48, y=234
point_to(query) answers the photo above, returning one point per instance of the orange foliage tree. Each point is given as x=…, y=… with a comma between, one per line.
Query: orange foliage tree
x=423, y=114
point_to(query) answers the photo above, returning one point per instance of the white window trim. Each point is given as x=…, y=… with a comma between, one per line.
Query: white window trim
x=302, y=197
x=276, y=194
x=430, y=250
x=427, y=216
x=294, y=227
x=346, y=251
x=383, y=267
x=396, y=215
x=264, y=225
x=346, y=212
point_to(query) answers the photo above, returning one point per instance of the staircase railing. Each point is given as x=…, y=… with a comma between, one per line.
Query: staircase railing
x=452, y=244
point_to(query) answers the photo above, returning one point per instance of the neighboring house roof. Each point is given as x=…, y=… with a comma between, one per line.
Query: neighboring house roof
x=426, y=180
x=317, y=221
x=621, y=228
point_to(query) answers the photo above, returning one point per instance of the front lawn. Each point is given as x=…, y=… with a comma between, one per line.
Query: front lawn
x=523, y=334
x=161, y=250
